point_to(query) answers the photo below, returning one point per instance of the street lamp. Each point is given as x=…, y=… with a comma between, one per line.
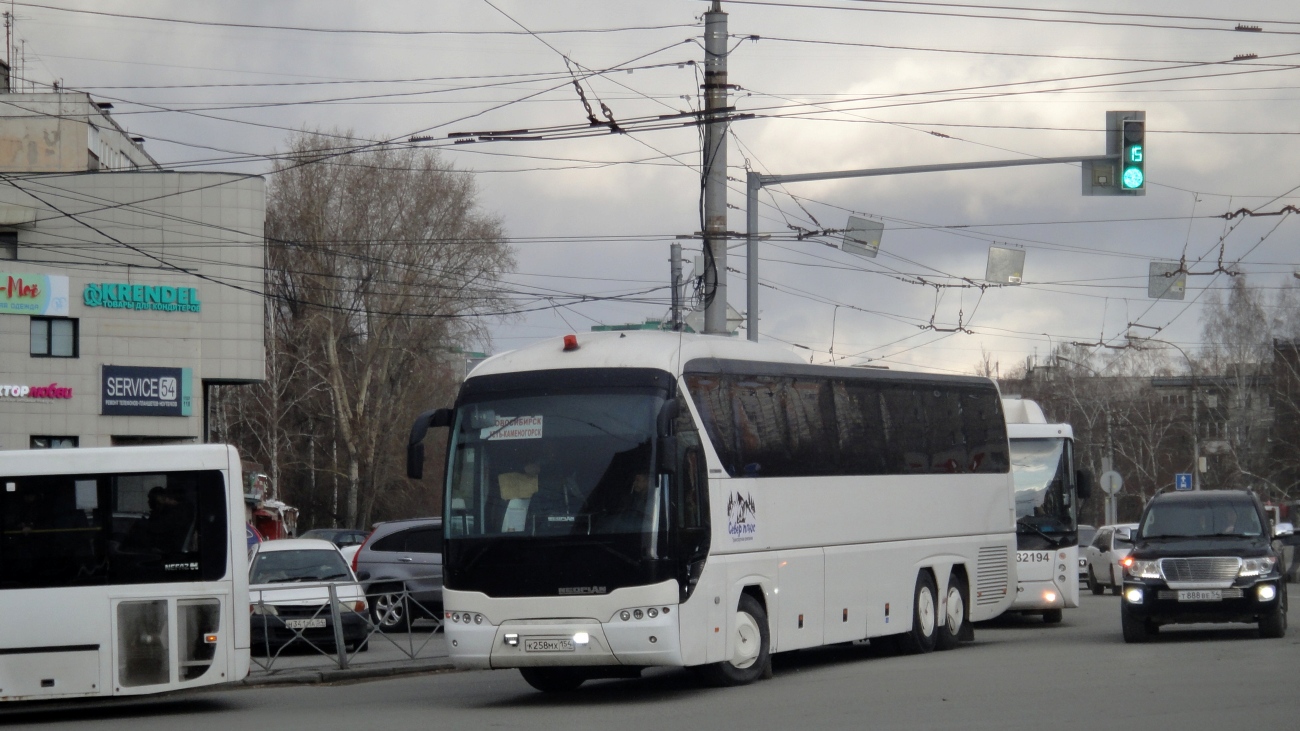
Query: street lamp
x=1196, y=432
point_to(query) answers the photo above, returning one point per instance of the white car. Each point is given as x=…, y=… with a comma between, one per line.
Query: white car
x=289, y=595
x=1108, y=548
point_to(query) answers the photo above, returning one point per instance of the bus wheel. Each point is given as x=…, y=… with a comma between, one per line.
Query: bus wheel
x=955, y=619
x=925, y=620
x=1053, y=616
x=553, y=680
x=750, y=659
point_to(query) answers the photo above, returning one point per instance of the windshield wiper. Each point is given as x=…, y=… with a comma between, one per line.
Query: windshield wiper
x=1023, y=523
x=334, y=576
x=292, y=579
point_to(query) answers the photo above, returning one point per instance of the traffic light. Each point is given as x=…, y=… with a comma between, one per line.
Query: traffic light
x=1132, y=173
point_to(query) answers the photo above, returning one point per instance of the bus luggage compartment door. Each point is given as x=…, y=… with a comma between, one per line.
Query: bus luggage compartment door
x=49, y=673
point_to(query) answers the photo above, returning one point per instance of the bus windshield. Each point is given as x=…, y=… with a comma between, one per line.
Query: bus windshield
x=1043, y=498
x=544, y=464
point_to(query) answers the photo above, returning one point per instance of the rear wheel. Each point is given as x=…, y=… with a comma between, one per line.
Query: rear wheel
x=955, y=619
x=1053, y=616
x=1273, y=624
x=750, y=657
x=553, y=680
x=925, y=620
x=389, y=609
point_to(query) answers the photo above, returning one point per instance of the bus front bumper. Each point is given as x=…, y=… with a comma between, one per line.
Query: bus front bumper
x=1037, y=595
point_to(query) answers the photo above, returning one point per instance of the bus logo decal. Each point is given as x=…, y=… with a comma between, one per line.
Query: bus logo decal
x=742, y=517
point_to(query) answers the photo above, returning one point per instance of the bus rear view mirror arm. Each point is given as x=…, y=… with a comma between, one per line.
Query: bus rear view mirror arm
x=415, y=445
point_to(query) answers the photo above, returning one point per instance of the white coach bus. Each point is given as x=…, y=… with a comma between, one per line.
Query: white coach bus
x=1048, y=491
x=123, y=571
x=616, y=501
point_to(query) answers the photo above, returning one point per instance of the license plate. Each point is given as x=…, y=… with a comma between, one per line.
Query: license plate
x=548, y=645
x=305, y=623
x=1203, y=595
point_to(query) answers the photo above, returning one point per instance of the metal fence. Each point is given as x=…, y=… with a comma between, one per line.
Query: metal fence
x=330, y=626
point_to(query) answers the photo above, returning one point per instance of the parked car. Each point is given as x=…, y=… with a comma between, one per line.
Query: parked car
x=1108, y=548
x=289, y=596
x=341, y=537
x=403, y=559
x=1086, y=534
x=1205, y=556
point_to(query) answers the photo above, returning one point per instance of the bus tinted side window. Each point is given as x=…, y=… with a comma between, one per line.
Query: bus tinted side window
x=773, y=426
x=69, y=530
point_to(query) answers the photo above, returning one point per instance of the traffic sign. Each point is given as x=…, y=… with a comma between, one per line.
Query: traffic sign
x=1111, y=482
x=1183, y=481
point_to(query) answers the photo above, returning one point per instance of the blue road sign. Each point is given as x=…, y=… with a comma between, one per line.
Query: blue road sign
x=1183, y=481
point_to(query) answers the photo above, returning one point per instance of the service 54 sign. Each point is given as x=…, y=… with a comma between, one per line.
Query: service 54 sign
x=144, y=391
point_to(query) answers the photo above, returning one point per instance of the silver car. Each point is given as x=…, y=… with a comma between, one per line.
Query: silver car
x=404, y=562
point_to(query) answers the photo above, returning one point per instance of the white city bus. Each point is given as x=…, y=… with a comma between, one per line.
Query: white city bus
x=123, y=571
x=616, y=501
x=1048, y=491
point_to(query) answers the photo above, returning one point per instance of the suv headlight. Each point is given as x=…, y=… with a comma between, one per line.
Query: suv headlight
x=1144, y=569
x=1257, y=566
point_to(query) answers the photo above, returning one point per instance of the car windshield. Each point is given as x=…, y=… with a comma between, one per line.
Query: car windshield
x=309, y=564
x=567, y=464
x=1040, y=469
x=1185, y=520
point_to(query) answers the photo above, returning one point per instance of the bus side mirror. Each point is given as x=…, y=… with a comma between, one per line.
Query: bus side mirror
x=1083, y=483
x=415, y=444
x=667, y=415
x=667, y=456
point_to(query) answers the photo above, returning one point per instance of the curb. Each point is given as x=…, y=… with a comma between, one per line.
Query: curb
x=317, y=677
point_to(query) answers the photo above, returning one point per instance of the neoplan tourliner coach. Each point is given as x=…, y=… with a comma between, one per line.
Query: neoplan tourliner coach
x=618, y=501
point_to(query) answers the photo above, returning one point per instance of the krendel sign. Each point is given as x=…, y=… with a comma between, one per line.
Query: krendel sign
x=141, y=297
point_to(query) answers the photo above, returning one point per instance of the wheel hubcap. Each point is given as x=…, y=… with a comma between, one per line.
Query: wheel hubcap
x=956, y=610
x=389, y=609
x=748, y=639
x=925, y=614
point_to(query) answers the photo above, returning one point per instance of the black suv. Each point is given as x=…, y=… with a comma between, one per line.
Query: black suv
x=1203, y=556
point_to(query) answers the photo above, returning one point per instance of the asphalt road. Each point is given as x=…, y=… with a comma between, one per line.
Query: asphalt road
x=1018, y=674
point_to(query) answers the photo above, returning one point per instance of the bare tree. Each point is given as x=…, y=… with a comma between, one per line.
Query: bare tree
x=380, y=265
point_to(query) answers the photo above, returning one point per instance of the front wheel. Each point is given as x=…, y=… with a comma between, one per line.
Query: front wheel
x=925, y=621
x=1093, y=585
x=553, y=680
x=1136, y=629
x=750, y=656
x=955, y=621
x=1053, y=616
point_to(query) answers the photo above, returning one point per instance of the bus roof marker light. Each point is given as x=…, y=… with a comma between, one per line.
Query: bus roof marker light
x=570, y=343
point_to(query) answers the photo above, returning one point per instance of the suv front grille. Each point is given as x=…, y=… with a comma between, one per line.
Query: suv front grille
x=1200, y=569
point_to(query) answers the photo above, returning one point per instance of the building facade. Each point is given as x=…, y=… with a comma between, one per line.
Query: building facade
x=126, y=291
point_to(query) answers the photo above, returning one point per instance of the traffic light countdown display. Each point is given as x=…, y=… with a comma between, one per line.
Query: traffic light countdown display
x=1133, y=153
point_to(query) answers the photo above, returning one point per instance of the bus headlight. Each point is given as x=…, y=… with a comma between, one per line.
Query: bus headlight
x=1144, y=569
x=1257, y=566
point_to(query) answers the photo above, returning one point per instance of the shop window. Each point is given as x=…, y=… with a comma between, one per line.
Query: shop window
x=9, y=245
x=54, y=337
x=53, y=442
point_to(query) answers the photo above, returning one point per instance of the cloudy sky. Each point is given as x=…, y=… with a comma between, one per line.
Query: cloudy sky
x=832, y=84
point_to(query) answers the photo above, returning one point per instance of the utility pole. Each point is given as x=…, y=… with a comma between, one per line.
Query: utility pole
x=715, y=170
x=676, y=268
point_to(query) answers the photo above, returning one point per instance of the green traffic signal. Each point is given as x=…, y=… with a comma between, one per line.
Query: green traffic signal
x=1133, y=174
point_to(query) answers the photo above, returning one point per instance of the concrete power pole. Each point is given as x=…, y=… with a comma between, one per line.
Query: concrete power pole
x=676, y=269
x=715, y=170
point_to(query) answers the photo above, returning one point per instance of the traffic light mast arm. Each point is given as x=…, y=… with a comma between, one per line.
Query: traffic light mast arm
x=756, y=182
